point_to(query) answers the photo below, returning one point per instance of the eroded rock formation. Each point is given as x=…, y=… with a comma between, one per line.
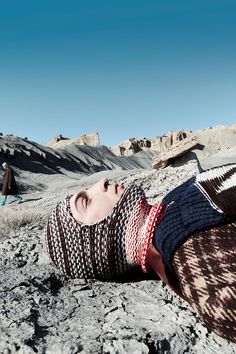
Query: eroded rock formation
x=176, y=150
x=160, y=143
x=131, y=146
x=178, y=147
x=85, y=139
x=165, y=142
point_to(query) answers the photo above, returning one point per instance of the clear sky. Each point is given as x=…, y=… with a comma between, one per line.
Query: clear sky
x=124, y=68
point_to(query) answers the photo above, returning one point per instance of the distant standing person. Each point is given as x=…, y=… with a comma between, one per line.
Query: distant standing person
x=9, y=185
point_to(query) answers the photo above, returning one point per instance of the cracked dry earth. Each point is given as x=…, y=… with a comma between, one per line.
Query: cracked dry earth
x=42, y=311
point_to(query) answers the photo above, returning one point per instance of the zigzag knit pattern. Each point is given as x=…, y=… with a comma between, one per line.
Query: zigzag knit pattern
x=139, y=232
x=218, y=186
x=200, y=203
x=109, y=248
x=206, y=267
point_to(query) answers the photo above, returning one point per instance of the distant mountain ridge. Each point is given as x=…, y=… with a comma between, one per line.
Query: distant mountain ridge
x=68, y=156
x=214, y=139
x=30, y=156
x=210, y=141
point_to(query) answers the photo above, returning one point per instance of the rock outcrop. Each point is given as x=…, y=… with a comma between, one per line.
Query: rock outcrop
x=71, y=158
x=210, y=143
x=165, y=142
x=131, y=146
x=178, y=147
x=160, y=143
x=216, y=139
x=85, y=139
x=176, y=150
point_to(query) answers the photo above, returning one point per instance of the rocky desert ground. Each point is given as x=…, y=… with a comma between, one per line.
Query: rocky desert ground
x=45, y=312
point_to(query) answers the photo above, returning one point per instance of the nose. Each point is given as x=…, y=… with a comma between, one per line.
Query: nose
x=101, y=185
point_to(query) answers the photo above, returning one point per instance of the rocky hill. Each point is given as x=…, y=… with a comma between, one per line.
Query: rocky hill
x=72, y=157
x=178, y=147
x=212, y=146
x=59, y=141
x=160, y=143
x=208, y=147
x=213, y=140
x=69, y=160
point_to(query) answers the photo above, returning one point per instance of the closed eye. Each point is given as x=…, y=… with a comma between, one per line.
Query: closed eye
x=82, y=199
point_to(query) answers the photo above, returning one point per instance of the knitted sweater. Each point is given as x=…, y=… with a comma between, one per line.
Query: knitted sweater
x=196, y=205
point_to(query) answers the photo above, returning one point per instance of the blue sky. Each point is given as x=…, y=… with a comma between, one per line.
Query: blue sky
x=124, y=68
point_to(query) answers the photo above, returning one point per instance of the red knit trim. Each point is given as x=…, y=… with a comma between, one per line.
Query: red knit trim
x=156, y=214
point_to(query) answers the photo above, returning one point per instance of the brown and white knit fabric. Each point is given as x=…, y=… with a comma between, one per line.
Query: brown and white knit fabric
x=106, y=249
x=219, y=187
x=206, y=267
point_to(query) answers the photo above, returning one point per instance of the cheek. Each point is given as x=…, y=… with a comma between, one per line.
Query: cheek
x=102, y=208
x=105, y=208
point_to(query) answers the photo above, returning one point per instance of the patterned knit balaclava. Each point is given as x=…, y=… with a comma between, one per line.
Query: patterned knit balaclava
x=110, y=247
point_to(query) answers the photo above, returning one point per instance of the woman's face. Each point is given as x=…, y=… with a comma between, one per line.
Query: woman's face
x=95, y=203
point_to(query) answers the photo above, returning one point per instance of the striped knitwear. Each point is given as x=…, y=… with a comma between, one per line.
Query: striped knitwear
x=109, y=248
x=202, y=202
x=206, y=268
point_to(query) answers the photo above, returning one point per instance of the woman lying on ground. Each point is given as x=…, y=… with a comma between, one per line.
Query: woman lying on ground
x=189, y=240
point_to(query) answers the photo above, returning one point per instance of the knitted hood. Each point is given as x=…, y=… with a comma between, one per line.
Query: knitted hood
x=108, y=248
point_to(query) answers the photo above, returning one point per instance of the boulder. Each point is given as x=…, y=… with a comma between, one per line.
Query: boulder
x=176, y=150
